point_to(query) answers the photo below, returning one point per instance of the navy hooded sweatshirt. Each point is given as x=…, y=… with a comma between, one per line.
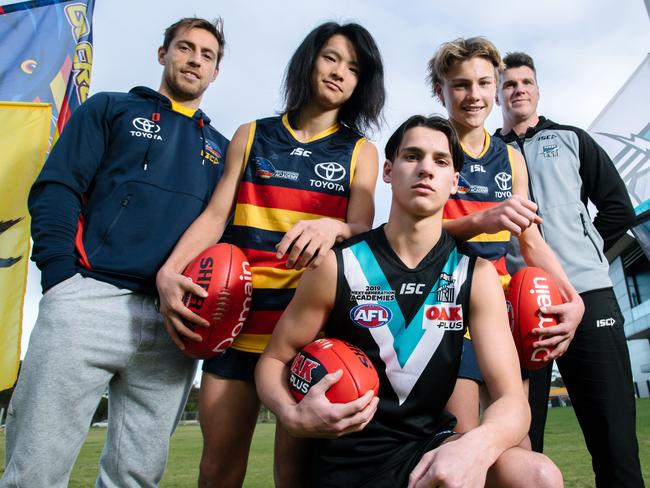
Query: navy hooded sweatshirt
x=121, y=185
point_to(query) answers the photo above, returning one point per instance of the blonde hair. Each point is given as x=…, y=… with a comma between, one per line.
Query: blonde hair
x=461, y=49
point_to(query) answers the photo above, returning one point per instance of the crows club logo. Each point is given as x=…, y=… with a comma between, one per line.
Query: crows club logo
x=145, y=128
x=211, y=153
x=465, y=187
x=371, y=315
x=264, y=168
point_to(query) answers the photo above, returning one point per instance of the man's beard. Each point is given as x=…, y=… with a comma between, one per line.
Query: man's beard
x=180, y=94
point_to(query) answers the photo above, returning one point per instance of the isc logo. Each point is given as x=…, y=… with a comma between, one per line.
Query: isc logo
x=299, y=151
x=411, y=289
x=370, y=315
x=605, y=322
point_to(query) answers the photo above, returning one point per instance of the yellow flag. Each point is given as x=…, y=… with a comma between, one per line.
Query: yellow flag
x=24, y=132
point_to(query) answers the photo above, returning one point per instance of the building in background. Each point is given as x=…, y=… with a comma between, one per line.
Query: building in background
x=623, y=130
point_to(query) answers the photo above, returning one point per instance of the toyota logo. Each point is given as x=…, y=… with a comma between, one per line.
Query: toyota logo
x=503, y=181
x=330, y=171
x=146, y=125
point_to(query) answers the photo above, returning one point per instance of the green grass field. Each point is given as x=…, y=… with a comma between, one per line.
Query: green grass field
x=564, y=444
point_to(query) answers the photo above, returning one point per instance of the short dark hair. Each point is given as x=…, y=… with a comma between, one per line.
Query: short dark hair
x=363, y=110
x=434, y=122
x=517, y=60
x=215, y=28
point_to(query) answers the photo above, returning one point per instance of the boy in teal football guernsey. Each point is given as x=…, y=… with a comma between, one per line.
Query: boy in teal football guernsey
x=404, y=437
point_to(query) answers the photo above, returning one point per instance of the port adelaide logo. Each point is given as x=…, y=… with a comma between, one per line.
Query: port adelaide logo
x=145, y=128
x=330, y=174
x=550, y=150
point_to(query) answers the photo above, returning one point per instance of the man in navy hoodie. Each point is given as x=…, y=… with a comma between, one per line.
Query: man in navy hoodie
x=130, y=172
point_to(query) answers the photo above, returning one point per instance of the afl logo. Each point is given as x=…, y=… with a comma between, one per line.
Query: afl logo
x=503, y=181
x=330, y=171
x=370, y=315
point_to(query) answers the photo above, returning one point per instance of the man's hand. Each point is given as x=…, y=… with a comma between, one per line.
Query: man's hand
x=455, y=464
x=560, y=335
x=515, y=215
x=308, y=241
x=316, y=416
x=171, y=290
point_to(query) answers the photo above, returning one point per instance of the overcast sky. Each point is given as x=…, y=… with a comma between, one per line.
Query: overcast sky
x=584, y=51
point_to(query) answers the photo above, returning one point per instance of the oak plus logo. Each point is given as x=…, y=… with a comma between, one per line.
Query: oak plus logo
x=330, y=173
x=445, y=316
x=145, y=128
x=504, y=183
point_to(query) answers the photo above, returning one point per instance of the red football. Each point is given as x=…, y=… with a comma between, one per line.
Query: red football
x=530, y=289
x=325, y=356
x=223, y=271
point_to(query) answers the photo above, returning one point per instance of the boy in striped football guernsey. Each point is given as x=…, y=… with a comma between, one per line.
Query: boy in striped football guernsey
x=492, y=199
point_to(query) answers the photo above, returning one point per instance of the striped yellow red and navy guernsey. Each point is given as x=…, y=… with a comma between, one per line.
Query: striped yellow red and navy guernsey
x=485, y=181
x=285, y=181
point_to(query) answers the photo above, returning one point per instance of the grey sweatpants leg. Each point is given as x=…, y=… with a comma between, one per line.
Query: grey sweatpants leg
x=90, y=336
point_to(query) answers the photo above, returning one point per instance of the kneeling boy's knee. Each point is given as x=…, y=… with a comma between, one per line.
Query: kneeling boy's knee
x=547, y=475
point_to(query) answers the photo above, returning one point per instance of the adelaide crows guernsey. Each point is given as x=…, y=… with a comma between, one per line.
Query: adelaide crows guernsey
x=285, y=181
x=485, y=181
x=410, y=323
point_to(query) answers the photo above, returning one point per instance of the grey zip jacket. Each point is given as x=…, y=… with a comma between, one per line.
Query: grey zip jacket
x=566, y=168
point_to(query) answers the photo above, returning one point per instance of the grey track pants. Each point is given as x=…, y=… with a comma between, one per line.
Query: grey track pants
x=89, y=337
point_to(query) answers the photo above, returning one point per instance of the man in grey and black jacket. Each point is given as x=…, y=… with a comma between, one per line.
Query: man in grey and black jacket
x=567, y=168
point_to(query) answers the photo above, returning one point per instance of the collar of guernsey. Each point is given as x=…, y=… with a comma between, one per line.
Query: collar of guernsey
x=182, y=109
